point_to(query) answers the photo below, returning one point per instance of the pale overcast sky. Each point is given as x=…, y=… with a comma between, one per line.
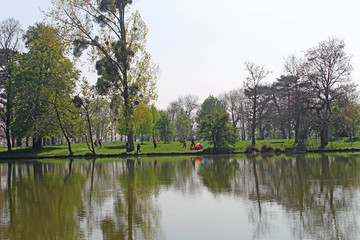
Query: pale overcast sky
x=201, y=45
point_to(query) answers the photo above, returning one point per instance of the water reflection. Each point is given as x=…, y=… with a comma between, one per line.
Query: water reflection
x=301, y=197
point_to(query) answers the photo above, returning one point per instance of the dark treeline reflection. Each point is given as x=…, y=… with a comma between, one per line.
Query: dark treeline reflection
x=117, y=199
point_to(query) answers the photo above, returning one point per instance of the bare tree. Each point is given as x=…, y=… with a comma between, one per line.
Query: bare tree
x=252, y=85
x=327, y=70
x=296, y=89
x=189, y=103
x=10, y=43
x=231, y=102
x=173, y=109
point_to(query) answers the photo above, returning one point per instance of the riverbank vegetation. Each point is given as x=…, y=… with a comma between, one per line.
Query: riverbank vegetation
x=43, y=104
x=118, y=149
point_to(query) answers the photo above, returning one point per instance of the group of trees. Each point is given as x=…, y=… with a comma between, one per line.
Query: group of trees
x=38, y=87
x=41, y=98
x=315, y=97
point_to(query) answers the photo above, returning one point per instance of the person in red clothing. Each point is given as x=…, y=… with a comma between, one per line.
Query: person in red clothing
x=154, y=141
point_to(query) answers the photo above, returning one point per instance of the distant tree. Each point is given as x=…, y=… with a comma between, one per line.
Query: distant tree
x=173, y=109
x=217, y=129
x=143, y=121
x=352, y=114
x=115, y=105
x=252, y=85
x=10, y=40
x=265, y=117
x=165, y=127
x=232, y=102
x=182, y=125
x=295, y=88
x=155, y=117
x=190, y=105
x=327, y=70
x=209, y=105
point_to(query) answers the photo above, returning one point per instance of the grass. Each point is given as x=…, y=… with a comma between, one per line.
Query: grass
x=108, y=149
x=118, y=148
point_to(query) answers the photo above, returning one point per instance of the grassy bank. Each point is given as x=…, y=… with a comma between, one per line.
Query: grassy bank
x=147, y=148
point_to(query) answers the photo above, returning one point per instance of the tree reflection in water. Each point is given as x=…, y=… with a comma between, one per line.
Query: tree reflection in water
x=118, y=199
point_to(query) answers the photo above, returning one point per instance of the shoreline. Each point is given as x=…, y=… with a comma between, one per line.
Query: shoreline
x=210, y=152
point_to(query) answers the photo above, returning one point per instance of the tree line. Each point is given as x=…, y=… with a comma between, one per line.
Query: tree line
x=315, y=97
x=44, y=101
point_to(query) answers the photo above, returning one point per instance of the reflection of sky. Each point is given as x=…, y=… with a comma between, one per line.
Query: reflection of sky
x=205, y=216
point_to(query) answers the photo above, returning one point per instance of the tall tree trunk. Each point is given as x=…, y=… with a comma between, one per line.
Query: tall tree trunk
x=253, y=125
x=324, y=136
x=289, y=130
x=296, y=132
x=8, y=118
x=7, y=133
x=37, y=143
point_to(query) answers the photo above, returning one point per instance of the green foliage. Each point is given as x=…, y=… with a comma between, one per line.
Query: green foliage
x=209, y=105
x=217, y=129
x=10, y=35
x=182, y=125
x=118, y=148
x=155, y=117
x=91, y=110
x=44, y=80
x=165, y=127
x=143, y=121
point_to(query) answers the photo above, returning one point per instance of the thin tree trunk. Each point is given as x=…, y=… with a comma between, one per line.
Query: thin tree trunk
x=63, y=131
x=253, y=125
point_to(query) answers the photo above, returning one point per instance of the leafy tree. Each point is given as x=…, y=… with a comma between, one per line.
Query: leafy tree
x=352, y=114
x=217, y=129
x=209, y=105
x=45, y=79
x=155, y=117
x=165, y=127
x=10, y=39
x=182, y=125
x=102, y=116
x=143, y=122
x=124, y=66
x=121, y=125
x=68, y=119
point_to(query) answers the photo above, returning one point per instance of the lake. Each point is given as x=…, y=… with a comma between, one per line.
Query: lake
x=309, y=196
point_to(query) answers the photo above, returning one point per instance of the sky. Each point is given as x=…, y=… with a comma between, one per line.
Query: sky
x=201, y=45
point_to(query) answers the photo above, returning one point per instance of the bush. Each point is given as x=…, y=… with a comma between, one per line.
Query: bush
x=267, y=148
x=251, y=149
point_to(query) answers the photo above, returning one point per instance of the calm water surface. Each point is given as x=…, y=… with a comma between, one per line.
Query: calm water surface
x=298, y=197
